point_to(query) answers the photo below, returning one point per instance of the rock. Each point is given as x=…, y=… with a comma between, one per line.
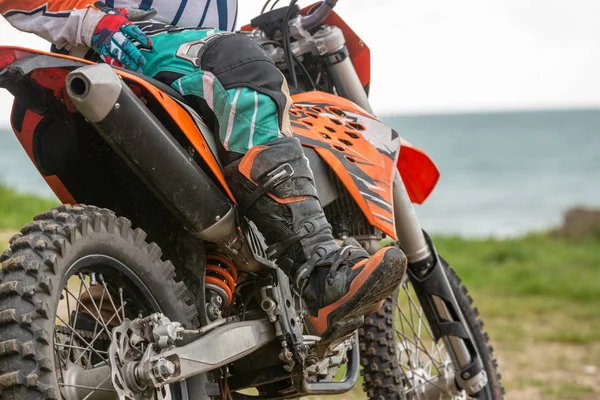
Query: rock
x=590, y=369
x=580, y=222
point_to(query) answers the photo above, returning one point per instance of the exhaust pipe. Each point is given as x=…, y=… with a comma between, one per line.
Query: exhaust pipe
x=151, y=151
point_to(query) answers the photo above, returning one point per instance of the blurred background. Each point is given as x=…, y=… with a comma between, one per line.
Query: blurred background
x=505, y=97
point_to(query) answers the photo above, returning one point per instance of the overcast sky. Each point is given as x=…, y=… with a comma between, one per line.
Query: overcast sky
x=460, y=55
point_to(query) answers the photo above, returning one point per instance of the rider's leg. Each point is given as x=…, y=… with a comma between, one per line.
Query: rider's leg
x=274, y=186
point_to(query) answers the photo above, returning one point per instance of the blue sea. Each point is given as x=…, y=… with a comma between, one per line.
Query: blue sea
x=502, y=174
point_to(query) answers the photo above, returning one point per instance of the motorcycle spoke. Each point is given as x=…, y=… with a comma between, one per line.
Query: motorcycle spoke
x=423, y=360
x=77, y=348
x=104, y=325
x=62, y=363
x=121, y=297
x=76, y=315
x=100, y=333
x=112, y=303
x=412, y=303
x=83, y=340
x=88, y=312
x=99, y=389
x=80, y=349
x=93, y=388
x=427, y=380
x=417, y=343
x=420, y=324
x=100, y=319
x=100, y=306
x=405, y=346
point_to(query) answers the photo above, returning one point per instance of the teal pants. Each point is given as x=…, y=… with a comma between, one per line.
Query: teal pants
x=227, y=77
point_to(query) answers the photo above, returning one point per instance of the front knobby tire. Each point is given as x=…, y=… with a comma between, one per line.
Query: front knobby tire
x=35, y=270
x=386, y=333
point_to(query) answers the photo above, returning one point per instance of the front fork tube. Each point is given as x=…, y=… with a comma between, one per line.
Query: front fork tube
x=435, y=294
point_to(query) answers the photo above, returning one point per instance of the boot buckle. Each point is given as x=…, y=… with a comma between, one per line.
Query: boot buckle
x=278, y=176
x=272, y=179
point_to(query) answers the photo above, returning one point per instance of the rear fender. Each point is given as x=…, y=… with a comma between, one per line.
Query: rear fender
x=43, y=74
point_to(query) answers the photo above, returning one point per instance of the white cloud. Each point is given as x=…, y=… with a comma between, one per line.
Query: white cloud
x=474, y=54
x=444, y=55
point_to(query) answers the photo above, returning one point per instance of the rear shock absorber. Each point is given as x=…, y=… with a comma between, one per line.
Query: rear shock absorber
x=221, y=276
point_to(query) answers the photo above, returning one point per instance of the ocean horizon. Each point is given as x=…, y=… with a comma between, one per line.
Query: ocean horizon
x=502, y=173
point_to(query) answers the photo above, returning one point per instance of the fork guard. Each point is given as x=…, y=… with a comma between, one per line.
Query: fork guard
x=430, y=283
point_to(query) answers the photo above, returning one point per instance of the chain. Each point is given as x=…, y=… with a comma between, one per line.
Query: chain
x=84, y=334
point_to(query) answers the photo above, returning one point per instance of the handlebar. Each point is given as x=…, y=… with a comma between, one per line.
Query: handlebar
x=316, y=18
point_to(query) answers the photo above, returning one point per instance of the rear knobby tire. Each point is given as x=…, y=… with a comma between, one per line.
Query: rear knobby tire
x=379, y=347
x=31, y=281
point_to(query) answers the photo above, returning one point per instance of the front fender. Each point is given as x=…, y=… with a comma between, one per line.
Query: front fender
x=418, y=172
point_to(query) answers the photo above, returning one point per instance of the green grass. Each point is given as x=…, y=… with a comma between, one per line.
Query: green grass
x=16, y=209
x=537, y=265
x=539, y=297
x=545, y=281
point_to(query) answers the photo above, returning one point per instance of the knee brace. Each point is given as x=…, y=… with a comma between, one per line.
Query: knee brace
x=238, y=61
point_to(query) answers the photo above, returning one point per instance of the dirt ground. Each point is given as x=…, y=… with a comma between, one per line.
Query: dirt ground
x=4, y=237
x=545, y=370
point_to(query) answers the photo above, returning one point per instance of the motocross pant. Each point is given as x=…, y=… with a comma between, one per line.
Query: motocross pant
x=227, y=77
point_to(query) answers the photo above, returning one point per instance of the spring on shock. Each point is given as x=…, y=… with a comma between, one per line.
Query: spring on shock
x=221, y=276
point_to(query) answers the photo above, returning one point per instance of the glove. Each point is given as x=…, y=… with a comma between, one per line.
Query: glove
x=114, y=39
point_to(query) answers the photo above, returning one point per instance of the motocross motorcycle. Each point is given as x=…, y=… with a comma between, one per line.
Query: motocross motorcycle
x=92, y=307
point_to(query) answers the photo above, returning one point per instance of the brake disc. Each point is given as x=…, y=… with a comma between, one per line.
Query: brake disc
x=124, y=353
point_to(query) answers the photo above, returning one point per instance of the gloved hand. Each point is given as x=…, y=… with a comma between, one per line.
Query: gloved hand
x=114, y=36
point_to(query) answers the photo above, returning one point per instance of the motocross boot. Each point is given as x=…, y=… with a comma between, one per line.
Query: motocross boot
x=275, y=189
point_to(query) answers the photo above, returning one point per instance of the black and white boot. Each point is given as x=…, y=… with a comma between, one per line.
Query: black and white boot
x=274, y=187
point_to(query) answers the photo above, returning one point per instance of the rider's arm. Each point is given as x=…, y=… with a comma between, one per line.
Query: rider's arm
x=62, y=22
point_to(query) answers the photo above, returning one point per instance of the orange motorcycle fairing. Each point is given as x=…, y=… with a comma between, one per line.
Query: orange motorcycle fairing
x=359, y=148
x=364, y=153
x=25, y=131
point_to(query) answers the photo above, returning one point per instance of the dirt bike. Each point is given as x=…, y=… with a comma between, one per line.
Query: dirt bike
x=90, y=308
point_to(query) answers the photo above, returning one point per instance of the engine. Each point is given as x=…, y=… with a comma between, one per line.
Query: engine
x=347, y=219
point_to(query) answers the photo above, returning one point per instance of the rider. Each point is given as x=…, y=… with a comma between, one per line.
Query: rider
x=245, y=98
